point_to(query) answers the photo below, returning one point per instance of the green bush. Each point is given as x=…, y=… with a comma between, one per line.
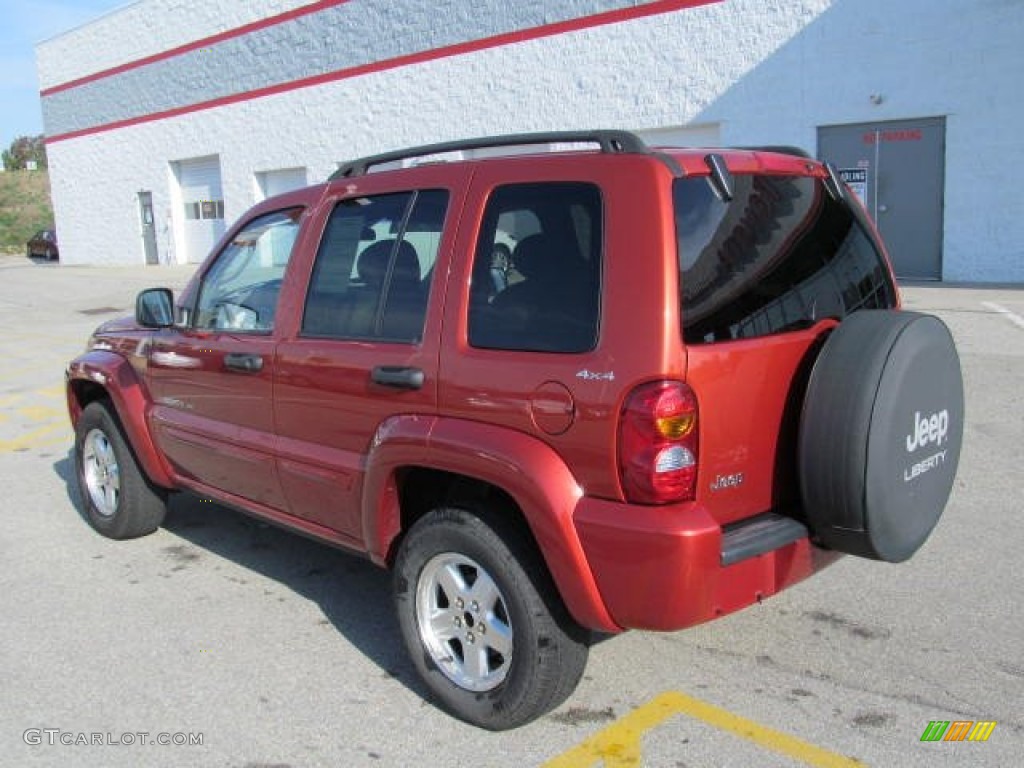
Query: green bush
x=25, y=207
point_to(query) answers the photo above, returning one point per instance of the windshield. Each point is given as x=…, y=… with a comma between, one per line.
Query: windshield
x=781, y=255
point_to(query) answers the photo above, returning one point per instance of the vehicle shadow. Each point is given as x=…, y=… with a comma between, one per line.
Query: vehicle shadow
x=65, y=470
x=353, y=594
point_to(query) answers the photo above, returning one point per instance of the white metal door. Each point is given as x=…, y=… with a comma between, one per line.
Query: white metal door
x=202, y=205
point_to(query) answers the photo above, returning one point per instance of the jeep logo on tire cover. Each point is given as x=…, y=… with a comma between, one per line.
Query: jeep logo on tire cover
x=931, y=429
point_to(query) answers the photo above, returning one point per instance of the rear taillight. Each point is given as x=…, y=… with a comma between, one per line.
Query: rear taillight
x=658, y=443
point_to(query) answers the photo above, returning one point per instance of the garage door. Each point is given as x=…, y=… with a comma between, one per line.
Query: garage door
x=280, y=181
x=202, y=205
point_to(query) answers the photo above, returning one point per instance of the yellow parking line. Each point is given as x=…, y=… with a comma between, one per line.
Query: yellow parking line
x=56, y=366
x=70, y=340
x=59, y=439
x=8, y=399
x=40, y=412
x=53, y=394
x=618, y=745
x=31, y=439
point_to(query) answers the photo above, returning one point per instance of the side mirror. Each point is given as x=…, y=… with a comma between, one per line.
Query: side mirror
x=154, y=308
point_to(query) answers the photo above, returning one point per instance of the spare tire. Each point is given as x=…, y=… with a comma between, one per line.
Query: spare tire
x=880, y=433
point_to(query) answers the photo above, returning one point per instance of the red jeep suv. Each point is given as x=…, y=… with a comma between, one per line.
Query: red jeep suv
x=596, y=389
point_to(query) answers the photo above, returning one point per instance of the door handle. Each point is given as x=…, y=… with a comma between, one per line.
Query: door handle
x=242, y=362
x=397, y=376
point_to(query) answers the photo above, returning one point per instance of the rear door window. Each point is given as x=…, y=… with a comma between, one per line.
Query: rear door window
x=781, y=255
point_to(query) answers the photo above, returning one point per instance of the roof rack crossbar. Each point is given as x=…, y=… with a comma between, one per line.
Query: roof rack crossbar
x=610, y=141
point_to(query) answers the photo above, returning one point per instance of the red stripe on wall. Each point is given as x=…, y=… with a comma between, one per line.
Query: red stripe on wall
x=245, y=29
x=507, y=38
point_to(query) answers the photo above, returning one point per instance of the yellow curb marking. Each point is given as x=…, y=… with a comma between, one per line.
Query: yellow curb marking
x=618, y=745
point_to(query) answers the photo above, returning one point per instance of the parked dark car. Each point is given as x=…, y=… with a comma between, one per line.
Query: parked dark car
x=43, y=243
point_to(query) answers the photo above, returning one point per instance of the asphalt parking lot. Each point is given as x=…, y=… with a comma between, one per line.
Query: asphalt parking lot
x=248, y=647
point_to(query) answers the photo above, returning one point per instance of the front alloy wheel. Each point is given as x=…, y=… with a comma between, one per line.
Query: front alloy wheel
x=118, y=499
x=101, y=473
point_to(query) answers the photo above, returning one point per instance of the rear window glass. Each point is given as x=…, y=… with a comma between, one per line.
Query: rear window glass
x=781, y=255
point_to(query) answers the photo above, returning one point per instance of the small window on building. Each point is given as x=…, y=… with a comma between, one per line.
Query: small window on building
x=373, y=271
x=537, y=269
x=204, y=209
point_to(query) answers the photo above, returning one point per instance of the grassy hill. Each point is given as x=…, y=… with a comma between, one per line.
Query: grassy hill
x=24, y=207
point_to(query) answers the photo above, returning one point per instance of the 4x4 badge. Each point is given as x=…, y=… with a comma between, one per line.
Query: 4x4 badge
x=595, y=376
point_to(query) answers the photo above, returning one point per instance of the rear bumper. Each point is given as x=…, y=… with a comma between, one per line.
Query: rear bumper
x=666, y=568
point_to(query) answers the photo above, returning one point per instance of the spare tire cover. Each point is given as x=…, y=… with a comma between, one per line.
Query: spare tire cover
x=880, y=433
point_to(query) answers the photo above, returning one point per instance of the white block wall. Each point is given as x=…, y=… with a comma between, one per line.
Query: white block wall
x=764, y=71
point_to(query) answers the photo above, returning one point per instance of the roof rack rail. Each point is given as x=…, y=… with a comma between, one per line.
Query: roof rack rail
x=782, y=149
x=610, y=141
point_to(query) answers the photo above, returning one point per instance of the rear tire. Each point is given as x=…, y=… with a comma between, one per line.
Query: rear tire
x=483, y=622
x=118, y=499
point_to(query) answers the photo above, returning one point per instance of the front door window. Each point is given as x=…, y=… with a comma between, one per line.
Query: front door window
x=239, y=292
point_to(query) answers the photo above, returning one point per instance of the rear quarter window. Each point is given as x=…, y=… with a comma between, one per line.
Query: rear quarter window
x=537, y=269
x=780, y=256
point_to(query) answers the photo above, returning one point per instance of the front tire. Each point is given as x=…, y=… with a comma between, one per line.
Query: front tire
x=482, y=620
x=118, y=499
